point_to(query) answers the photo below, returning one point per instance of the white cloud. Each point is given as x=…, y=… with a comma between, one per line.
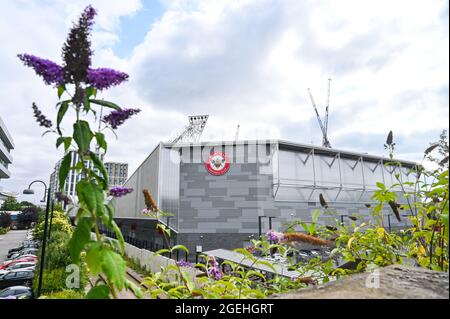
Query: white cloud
x=248, y=62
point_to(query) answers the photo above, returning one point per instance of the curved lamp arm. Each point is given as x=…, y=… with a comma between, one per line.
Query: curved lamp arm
x=45, y=185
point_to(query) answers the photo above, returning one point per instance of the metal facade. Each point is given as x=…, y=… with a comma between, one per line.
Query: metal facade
x=274, y=179
x=145, y=177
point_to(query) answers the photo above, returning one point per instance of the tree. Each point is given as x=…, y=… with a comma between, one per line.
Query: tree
x=11, y=204
x=5, y=220
x=28, y=216
x=26, y=204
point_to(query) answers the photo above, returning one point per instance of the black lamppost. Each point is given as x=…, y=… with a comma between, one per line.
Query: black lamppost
x=30, y=191
x=260, y=223
x=349, y=217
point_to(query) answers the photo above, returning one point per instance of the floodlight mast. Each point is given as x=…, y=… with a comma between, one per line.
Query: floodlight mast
x=193, y=131
x=237, y=133
x=323, y=127
x=326, y=109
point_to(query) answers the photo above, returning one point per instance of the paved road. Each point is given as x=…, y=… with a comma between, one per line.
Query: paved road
x=12, y=239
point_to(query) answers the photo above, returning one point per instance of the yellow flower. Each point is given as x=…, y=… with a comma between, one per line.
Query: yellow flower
x=422, y=250
x=380, y=232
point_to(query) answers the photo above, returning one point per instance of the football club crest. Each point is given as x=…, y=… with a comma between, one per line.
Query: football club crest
x=217, y=163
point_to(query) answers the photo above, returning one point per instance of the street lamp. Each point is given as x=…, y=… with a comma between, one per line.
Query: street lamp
x=260, y=223
x=30, y=191
x=349, y=217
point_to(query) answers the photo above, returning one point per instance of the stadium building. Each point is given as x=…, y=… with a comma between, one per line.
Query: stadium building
x=222, y=194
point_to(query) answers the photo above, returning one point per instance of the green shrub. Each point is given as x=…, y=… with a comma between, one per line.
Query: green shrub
x=57, y=258
x=4, y=231
x=52, y=280
x=64, y=294
x=60, y=222
x=57, y=253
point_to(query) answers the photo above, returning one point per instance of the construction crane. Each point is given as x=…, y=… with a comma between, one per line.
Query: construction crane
x=193, y=131
x=323, y=125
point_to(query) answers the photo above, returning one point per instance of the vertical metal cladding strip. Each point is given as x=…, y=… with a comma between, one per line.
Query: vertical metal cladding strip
x=158, y=201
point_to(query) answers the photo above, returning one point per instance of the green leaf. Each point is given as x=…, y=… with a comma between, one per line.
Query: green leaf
x=187, y=278
x=244, y=252
x=61, y=90
x=119, y=236
x=82, y=135
x=86, y=194
x=81, y=236
x=180, y=247
x=134, y=288
x=255, y=273
x=91, y=91
x=61, y=112
x=162, y=251
x=316, y=215
x=59, y=141
x=93, y=258
x=64, y=170
x=444, y=218
x=86, y=104
x=99, y=165
x=114, y=268
x=65, y=140
x=110, y=216
x=267, y=264
x=98, y=292
x=106, y=104
x=381, y=185
x=100, y=137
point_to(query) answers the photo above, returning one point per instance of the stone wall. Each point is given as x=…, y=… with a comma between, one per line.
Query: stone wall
x=392, y=282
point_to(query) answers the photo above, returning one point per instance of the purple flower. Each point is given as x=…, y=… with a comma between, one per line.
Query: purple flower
x=51, y=72
x=212, y=261
x=119, y=191
x=183, y=263
x=117, y=118
x=214, y=269
x=77, y=50
x=275, y=236
x=89, y=12
x=104, y=78
x=40, y=118
x=215, y=272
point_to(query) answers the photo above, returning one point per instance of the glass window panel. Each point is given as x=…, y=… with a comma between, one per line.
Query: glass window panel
x=296, y=167
x=373, y=173
x=327, y=170
x=352, y=174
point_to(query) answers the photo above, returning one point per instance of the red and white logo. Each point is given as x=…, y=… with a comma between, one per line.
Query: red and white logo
x=217, y=163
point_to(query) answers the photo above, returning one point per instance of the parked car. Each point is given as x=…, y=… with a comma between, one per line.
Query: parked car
x=16, y=277
x=19, y=260
x=25, y=256
x=26, y=265
x=16, y=292
x=20, y=248
x=23, y=252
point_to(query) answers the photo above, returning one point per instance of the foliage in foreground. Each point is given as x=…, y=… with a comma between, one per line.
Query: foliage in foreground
x=77, y=84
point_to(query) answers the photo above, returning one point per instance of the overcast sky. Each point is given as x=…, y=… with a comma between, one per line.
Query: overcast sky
x=242, y=62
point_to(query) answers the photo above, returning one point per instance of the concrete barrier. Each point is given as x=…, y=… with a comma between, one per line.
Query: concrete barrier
x=151, y=261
